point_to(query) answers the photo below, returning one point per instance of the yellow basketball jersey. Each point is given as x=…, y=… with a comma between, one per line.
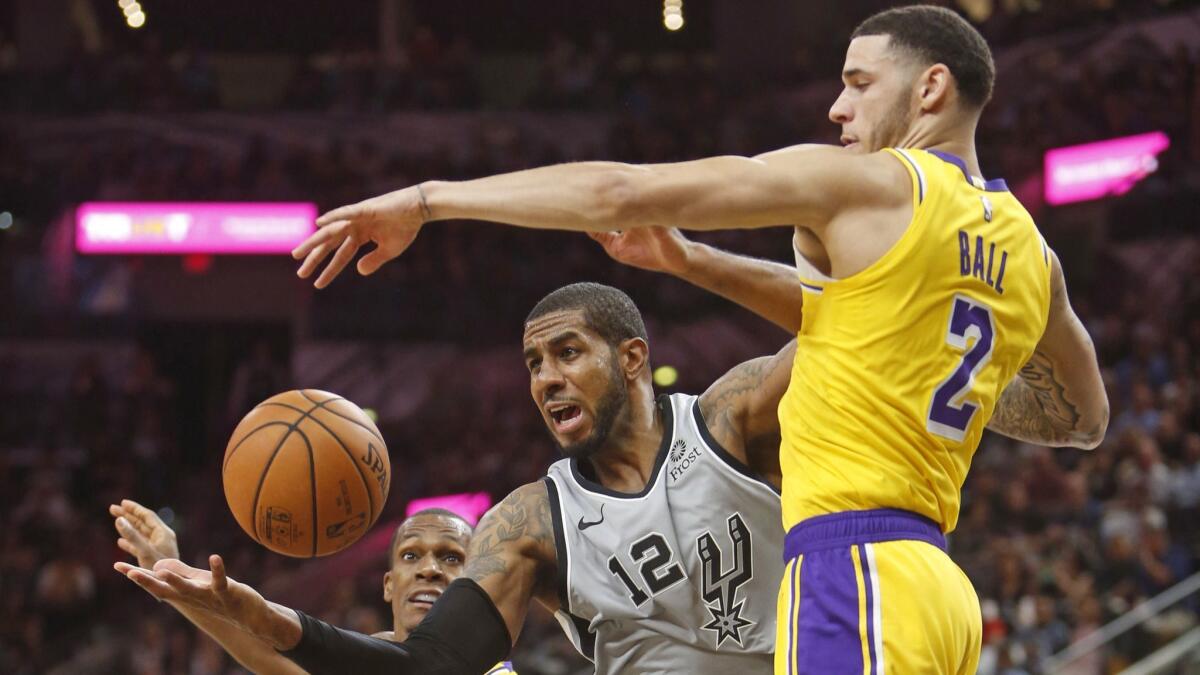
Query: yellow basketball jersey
x=899, y=366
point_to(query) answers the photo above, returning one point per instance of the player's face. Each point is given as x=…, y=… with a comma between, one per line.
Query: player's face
x=429, y=554
x=878, y=102
x=574, y=380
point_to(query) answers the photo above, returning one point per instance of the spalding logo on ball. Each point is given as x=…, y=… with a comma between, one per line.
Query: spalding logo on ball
x=306, y=473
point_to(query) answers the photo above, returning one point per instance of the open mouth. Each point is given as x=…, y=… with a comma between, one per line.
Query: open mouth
x=848, y=141
x=567, y=417
x=425, y=598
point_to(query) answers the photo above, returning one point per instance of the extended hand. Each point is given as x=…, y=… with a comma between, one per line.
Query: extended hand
x=143, y=534
x=392, y=221
x=658, y=249
x=206, y=590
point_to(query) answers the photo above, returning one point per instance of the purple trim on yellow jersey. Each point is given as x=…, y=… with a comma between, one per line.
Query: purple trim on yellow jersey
x=812, y=288
x=994, y=185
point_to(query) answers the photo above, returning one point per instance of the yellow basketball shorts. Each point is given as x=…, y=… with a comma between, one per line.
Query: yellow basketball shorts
x=874, y=592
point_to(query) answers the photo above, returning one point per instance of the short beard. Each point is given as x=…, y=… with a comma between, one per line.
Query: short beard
x=607, y=409
x=894, y=126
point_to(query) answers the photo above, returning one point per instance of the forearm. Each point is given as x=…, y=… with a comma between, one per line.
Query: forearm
x=769, y=289
x=708, y=194
x=253, y=653
x=583, y=196
x=1038, y=408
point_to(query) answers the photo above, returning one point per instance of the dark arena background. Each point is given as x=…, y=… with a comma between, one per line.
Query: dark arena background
x=126, y=363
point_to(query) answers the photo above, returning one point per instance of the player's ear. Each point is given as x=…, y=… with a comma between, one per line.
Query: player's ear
x=387, y=586
x=933, y=87
x=634, y=356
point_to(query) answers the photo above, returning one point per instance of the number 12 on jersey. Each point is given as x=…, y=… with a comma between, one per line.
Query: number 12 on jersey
x=950, y=414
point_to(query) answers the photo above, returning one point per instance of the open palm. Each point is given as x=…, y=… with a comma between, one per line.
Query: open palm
x=658, y=249
x=207, y=590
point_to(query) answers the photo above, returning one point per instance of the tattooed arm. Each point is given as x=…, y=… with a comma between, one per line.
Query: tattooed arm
x=740, y=410
x=512, y=555
x=1058, y=398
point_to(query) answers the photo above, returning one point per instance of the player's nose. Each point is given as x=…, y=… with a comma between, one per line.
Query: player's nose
x=546, y=380
x=430, y=568
x=841, y=112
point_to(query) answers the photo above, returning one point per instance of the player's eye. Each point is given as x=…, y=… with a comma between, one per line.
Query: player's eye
x=409, y=556
x=568, y=352
x=453, y=558
x=532, y=364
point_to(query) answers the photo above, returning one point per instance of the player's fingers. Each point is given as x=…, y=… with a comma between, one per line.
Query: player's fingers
x=139, y=514
x=314, y=260
x=317, y=239
x=344, y=255
x=128, y=531
x=348, y=212
x=220, y=582
x=148, y=582
x=124, y=545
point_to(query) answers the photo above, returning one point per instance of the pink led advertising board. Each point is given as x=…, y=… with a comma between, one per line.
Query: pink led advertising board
x=1094, y=170
x=469, y=505
x=183, y=228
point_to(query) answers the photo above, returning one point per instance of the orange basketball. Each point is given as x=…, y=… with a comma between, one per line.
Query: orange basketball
x=306, y=473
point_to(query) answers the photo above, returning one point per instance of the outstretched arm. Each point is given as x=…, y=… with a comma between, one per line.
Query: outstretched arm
x=1058, y=398
x=809, y=184
x=146, y=537
x=511, y=549
x=740, y=410
x=769, y=289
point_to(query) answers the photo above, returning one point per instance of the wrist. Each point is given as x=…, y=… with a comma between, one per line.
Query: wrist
x=277, y=625
x=431, y=196
x=694, y=254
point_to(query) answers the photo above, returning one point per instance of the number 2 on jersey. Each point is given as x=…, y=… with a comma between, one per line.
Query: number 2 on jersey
x=949, y=413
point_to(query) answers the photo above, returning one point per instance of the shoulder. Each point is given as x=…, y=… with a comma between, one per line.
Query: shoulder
x=865, y=177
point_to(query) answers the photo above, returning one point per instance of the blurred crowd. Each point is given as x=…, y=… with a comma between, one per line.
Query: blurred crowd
x=1057, y=542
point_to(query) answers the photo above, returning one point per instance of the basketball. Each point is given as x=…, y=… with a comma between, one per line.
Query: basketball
x=306, y=473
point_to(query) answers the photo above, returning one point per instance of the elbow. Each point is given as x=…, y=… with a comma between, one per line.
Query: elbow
x=1093, y=435
x=619, y=199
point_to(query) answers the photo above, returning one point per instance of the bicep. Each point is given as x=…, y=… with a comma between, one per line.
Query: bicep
x=809, y=184
x=509, y=552
x=742, y=405
x=1066, y=346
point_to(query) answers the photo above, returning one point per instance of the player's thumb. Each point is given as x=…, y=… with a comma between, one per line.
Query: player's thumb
x=372, y=261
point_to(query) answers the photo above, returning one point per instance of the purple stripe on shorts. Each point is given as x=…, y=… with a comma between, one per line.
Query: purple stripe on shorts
x=827, y=637
x=870, y=593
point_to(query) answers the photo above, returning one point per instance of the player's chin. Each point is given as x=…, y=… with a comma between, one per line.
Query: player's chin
x=414, y=612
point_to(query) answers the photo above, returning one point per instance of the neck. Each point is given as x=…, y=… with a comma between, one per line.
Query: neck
x=624, y=463
x=956, y=138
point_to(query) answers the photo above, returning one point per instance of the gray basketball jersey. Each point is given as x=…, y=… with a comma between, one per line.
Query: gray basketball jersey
x=679, y=578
